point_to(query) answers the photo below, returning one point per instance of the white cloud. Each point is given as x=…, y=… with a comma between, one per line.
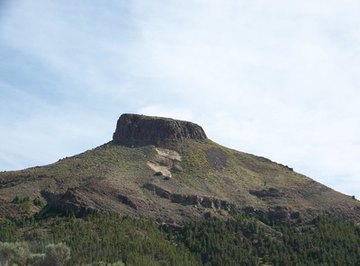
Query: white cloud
x=275, y=78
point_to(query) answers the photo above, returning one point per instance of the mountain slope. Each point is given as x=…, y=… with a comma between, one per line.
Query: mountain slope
x=168, y=170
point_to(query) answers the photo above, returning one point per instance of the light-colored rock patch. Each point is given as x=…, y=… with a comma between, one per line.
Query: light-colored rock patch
x=164, y=161
x=157, y=168
x=170, y=154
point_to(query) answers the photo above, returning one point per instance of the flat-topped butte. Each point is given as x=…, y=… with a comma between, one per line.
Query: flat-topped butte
x=133, y=129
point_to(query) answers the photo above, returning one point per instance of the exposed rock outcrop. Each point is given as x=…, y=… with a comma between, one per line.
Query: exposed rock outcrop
x=283, y=215
x=275, y=215
x=72, y=201
x=134, y=130
x=89, y=199
x=127, y=201
x=203, y=201
x=267, y=193
x=165, y=162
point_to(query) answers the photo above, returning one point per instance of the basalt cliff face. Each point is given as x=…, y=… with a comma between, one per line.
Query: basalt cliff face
x=136, y=130
x=169, y=170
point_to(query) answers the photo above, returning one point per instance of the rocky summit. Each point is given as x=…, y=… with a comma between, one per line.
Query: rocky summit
x=162, y=193
x=168, y=170
x=133, y=129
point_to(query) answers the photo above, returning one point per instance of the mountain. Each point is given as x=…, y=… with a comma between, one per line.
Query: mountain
x=168, y=170
x=162, y=193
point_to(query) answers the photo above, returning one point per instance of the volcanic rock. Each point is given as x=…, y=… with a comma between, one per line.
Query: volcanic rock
x=170, y=173
x=136, y=130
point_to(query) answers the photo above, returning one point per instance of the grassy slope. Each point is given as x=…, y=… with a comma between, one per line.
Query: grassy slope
x=209, y=170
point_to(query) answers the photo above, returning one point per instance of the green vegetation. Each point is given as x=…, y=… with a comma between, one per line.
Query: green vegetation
x=117, y=240
x=328, y=241
x=206, y=169
x=196, y=159
x=100, y=177
x=99, y=238
x=24, y=204
x=18, y=253
x=37, y=202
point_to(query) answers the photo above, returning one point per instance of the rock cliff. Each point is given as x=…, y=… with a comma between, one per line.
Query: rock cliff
x=134, y=130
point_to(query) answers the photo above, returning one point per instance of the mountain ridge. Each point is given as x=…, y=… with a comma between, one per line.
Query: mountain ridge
x=173, y=176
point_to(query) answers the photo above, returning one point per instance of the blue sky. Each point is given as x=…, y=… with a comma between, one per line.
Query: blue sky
x=274, y=78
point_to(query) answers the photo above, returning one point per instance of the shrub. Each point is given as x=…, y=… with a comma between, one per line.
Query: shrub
x=14, y=253
x=56, y=254
x=36, y=259
x=37, y=202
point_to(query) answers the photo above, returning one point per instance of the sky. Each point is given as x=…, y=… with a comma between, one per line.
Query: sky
x=279, y=79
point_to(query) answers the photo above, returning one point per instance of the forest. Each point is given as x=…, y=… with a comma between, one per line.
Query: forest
x=110, y=239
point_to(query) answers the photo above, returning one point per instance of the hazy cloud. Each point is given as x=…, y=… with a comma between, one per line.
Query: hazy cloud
x=279, y=79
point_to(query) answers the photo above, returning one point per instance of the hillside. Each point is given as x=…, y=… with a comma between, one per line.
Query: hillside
x=169, y=170
x=162, y=193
